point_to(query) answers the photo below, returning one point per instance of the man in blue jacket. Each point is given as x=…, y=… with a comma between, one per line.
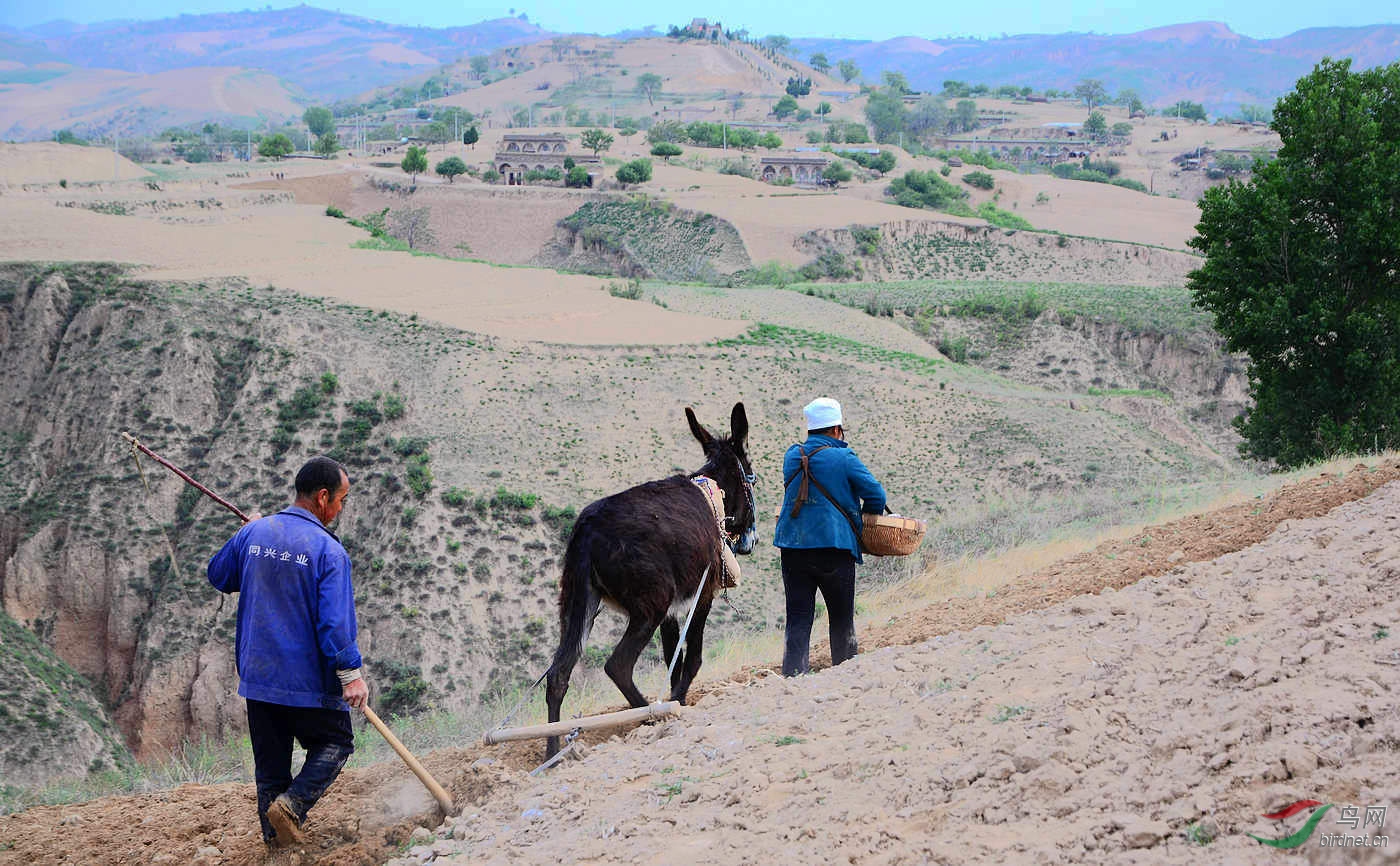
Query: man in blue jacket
x=825, y=489
x=298, y=665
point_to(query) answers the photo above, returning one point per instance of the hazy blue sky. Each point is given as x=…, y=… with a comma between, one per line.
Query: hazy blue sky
x=1257, y=18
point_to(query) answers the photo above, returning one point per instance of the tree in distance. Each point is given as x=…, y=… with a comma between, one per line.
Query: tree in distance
x=319, y=120
x=823, y=109
x=471, y=136
x=1096, y=124
x=436, y=132
x=666, y=130
x=1301, y=270
x=451, y=167
x=819, y=62
x=1188, y=110
x=636, y=171
x=649, y=85
x=778, y=43
x=799, y=86
x=885, y=113
x=480, y=63
x=415, y=162
x=410, y=225
x=849, y=70
x=896, y=82
x=770, y=141
x=1092, y=91
x=785, y=106
x=577, y=177
x=965, y=115
x=596, y=140
x=1130, y=100
x=327, y=145
x=666, y=149
x=275, y=146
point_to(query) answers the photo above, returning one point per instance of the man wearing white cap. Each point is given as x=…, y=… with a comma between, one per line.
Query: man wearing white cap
x=825, y=489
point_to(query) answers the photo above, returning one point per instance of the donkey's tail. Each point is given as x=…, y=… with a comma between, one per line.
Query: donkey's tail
x=579, y=601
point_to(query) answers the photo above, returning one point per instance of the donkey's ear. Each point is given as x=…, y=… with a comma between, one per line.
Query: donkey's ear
x=738, y=424
x=700, y=432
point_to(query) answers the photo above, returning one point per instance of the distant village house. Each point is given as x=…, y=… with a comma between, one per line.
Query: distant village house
x=521, y=152
x=803, y=170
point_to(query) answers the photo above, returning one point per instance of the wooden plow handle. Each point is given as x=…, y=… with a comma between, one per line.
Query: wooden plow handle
x=438, y=792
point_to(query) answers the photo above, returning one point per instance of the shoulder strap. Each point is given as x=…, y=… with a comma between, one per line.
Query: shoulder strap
x=805, y=470
x=802, y=494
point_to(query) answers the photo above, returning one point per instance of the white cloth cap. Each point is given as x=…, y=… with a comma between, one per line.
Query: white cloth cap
x=821, y=413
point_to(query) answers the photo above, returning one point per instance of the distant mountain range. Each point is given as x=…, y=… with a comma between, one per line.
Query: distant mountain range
x=325, y=54
x=1205, y=62
x=60, y=69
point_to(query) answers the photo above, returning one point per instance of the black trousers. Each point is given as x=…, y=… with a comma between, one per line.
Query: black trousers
x=833, y=571
x=325, y=734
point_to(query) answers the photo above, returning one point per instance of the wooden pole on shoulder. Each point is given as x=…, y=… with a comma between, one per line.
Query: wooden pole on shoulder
x=658, y=710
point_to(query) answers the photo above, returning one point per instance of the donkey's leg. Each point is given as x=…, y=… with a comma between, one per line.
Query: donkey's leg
x=578, y=622
x=624, y=658
x=670, y=637
x=694, y=654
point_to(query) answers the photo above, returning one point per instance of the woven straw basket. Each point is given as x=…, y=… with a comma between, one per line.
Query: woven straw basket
x=888, y=535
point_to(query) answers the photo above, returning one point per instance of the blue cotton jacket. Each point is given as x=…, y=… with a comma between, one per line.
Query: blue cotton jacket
x=819, y=523
x=296, y=609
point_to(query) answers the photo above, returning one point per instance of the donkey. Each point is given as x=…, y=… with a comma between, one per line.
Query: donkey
x=645, y=551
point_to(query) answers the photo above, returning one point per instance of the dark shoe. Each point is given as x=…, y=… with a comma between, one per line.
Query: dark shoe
x=284, y=820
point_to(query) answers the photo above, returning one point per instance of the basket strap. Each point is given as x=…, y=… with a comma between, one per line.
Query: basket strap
x=807, y=476
x=806, y=473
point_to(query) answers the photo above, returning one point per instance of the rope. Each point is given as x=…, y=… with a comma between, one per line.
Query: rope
x=680, y=642
x=523, y=698
x=169, y=545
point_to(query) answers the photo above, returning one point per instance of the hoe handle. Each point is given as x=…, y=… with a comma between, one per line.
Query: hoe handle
x=137, y=444
x=439, y=794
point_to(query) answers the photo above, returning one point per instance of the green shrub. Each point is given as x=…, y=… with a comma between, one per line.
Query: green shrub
x=925, y=189
x=333, y=211
x=636, y=171
x=393, y=407
x=419, y=476
x=630, y=290
x=504, y=498
x=456, y=497
x=979, y=179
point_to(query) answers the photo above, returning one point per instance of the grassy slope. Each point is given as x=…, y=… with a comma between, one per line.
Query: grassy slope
x=456, y=591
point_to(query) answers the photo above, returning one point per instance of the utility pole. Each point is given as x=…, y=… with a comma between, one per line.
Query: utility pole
x=116, y=152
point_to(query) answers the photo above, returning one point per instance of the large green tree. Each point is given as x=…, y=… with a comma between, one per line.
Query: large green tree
x=275, y=146
x=451, y=167
x=415, y=162
x=1302, y=270
x=885, y=113
x=1092, y=91
x=319, y=120
x=649, y=85
x=596, y=140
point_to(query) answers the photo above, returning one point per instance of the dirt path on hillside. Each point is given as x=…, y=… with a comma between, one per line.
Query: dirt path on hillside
x=922, y=757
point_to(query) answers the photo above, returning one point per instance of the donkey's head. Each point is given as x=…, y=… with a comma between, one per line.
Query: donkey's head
x=727, y=462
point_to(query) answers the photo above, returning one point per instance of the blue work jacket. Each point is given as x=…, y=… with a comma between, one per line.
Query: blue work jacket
x=296, y=609
x=819, y=523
